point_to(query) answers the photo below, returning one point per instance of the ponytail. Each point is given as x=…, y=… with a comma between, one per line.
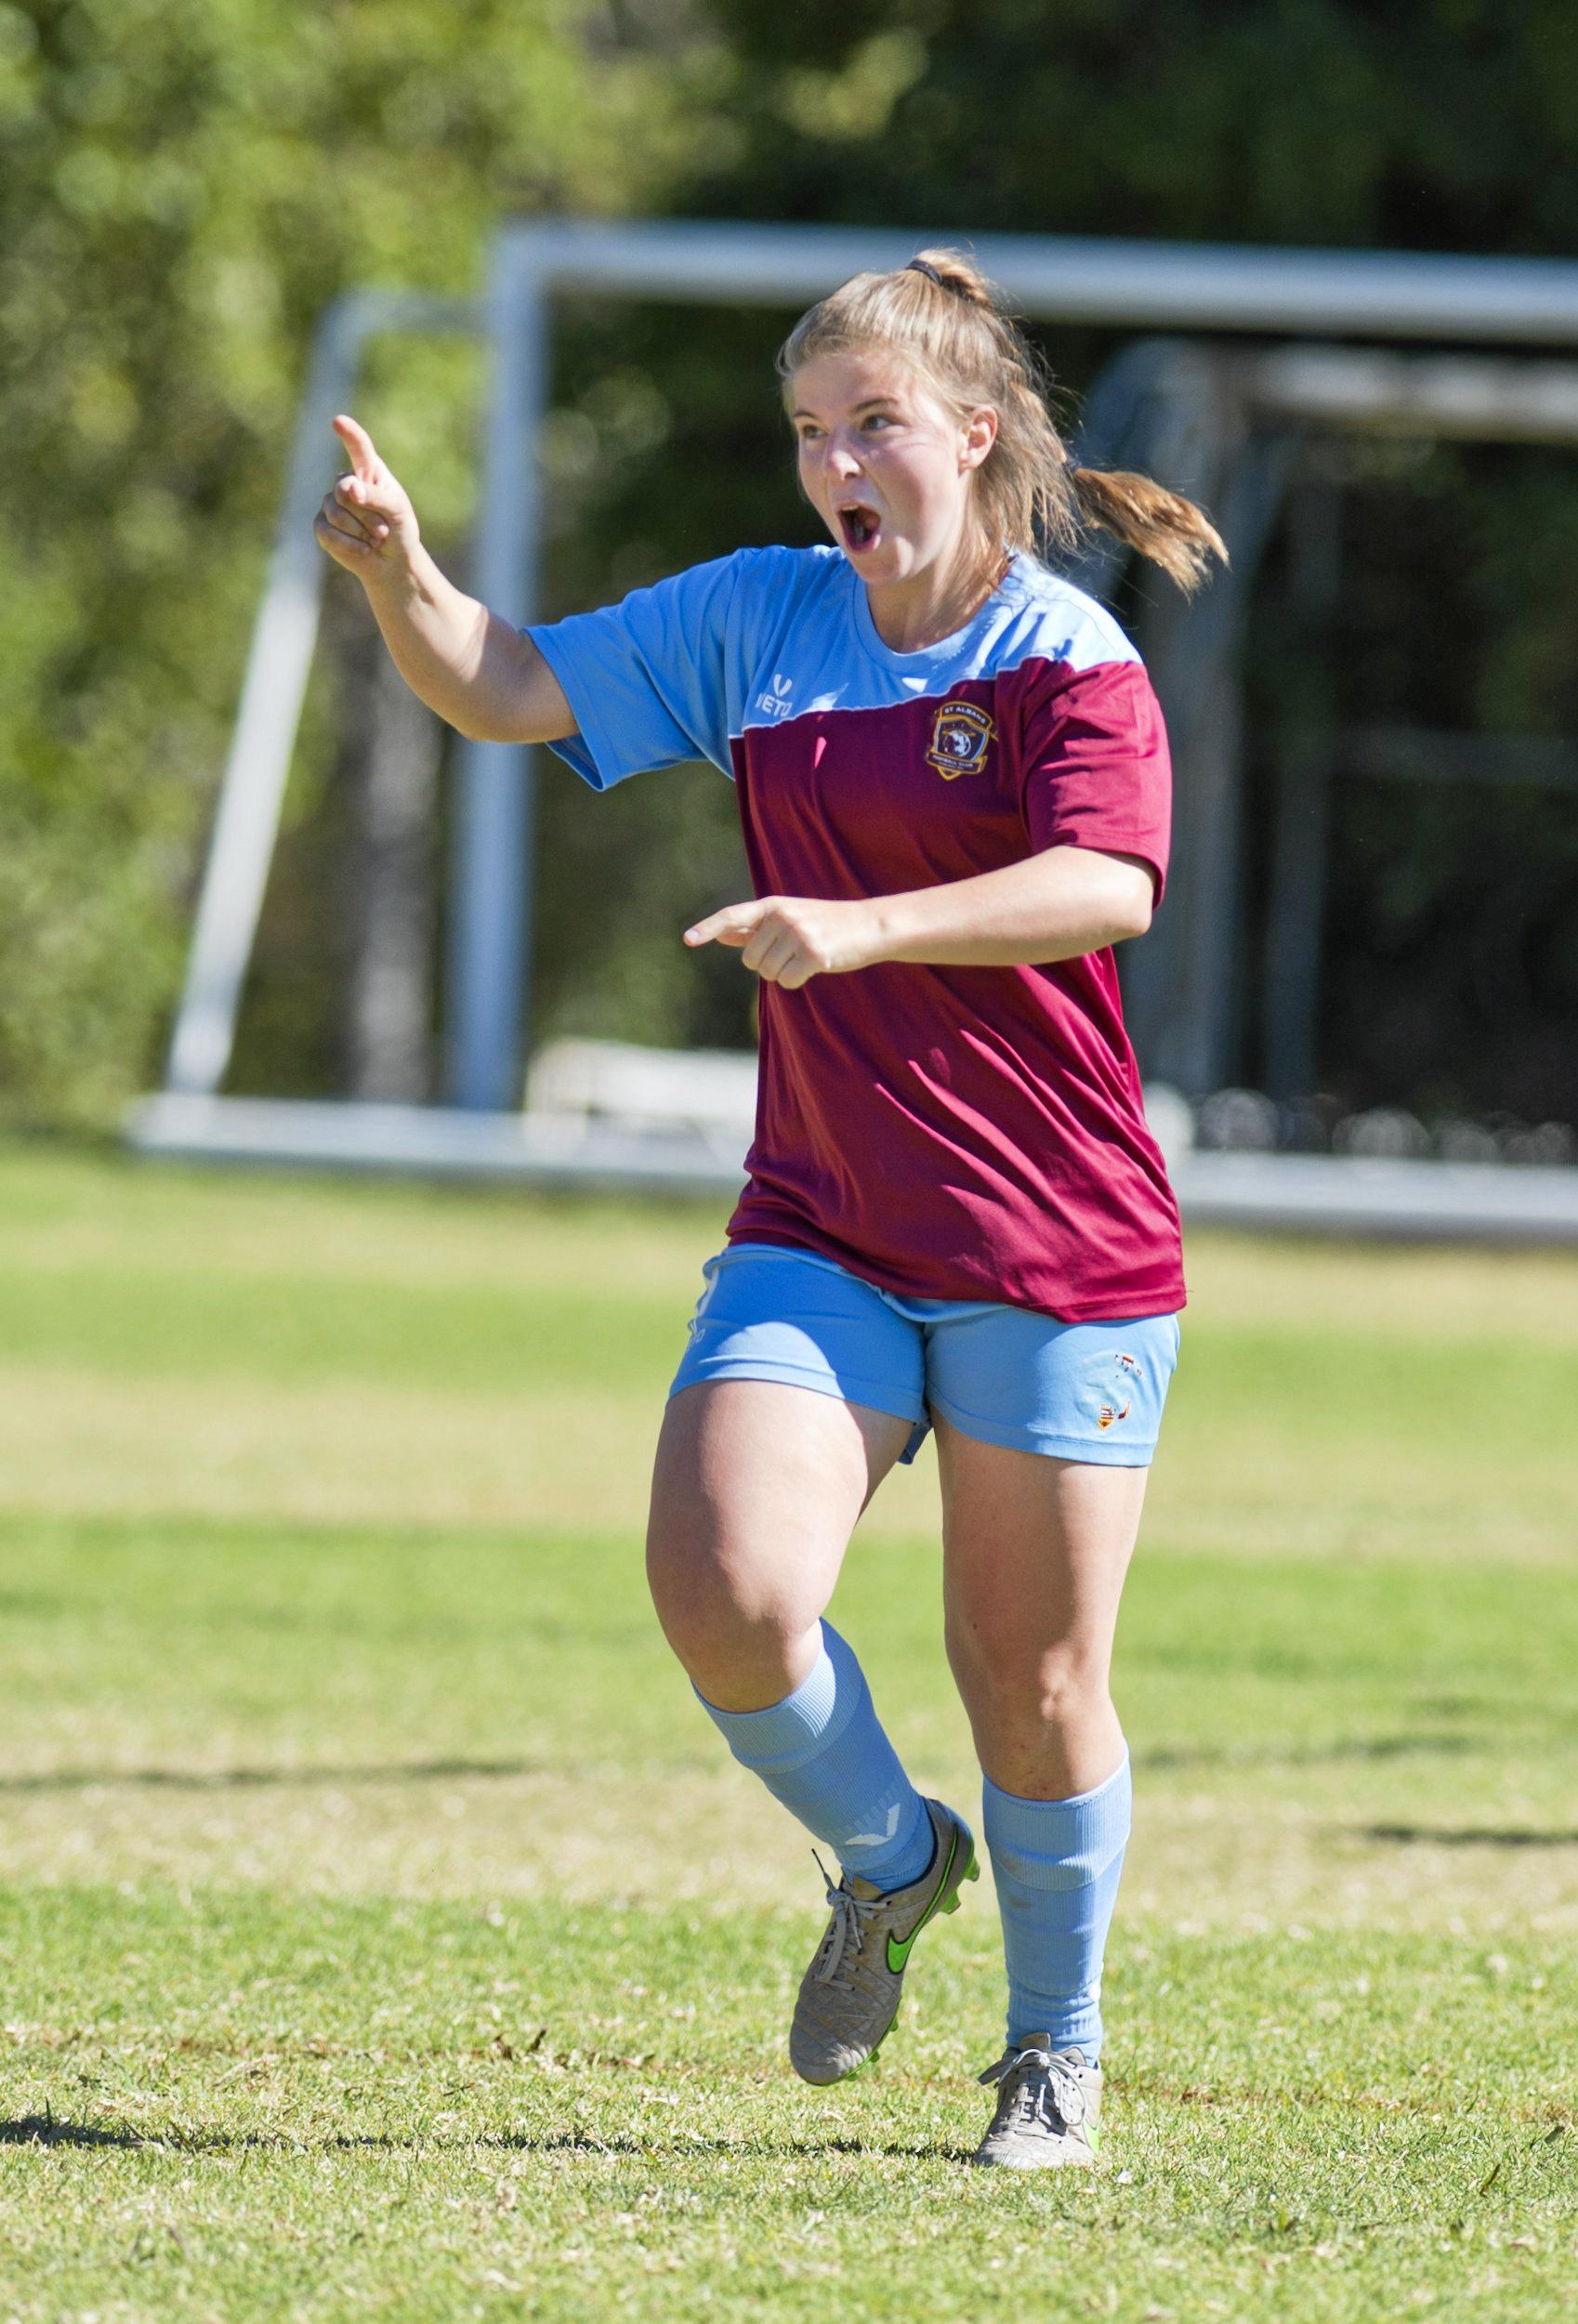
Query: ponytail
x=944, y=315
x=1163, y=526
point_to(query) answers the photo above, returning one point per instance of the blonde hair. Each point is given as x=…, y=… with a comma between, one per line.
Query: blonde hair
x=942, y=315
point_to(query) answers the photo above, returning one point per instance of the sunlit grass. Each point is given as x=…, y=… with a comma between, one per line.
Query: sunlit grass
x=384, y=1933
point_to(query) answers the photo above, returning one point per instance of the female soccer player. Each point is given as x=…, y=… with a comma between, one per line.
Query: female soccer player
x=953, y=784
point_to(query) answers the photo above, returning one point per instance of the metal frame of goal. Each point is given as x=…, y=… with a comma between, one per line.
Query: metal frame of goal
x=1302, y=295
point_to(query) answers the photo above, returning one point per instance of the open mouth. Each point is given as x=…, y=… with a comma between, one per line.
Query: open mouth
x=860, y=525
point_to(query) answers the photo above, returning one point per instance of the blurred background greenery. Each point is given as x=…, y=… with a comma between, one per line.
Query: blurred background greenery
x=186, y=184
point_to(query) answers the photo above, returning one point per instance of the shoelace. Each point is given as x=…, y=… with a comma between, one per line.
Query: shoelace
x=1048, y=2091
x=844, y=1935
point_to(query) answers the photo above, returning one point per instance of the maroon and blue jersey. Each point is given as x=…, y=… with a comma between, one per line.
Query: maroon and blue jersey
x=946, y=1132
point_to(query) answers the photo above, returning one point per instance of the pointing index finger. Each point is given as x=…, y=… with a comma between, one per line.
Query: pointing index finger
x=732, y=926
x=358, y=443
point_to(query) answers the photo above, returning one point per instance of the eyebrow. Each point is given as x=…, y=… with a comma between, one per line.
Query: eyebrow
x=870, y=404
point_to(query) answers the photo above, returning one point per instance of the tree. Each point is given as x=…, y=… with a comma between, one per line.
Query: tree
x=184, y=185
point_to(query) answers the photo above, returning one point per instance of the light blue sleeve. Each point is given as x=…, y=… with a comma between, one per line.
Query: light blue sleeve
x=654, y=679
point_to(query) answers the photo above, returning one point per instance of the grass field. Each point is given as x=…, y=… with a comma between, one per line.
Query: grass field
x=384, y=1931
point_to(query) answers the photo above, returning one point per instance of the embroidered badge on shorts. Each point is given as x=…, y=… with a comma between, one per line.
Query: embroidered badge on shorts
x=1120, y=1404
x=961, y=733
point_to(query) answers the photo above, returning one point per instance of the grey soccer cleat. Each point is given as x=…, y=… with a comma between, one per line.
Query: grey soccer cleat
x=849, y=1997
x=1048, y=2108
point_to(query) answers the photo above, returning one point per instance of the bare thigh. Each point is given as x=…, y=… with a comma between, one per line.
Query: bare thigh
x=1034, y=1555
x=755, y=1490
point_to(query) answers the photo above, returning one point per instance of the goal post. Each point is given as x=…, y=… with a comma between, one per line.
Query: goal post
x=1231, y=293
x=1147, y=285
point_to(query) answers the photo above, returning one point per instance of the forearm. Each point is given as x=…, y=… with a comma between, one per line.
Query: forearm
x=1057, y=905
x=473, y=668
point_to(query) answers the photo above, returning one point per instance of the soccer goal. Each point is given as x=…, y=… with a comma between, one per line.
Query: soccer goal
x=1199, y=396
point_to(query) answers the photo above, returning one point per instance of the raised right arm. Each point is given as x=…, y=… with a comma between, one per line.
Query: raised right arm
x=475, y=669
x=472, y=667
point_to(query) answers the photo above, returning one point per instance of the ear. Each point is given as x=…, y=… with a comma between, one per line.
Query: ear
x=976, y=437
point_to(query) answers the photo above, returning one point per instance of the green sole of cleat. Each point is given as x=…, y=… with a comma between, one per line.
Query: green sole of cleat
x=877, y=2045
x=971, y=1872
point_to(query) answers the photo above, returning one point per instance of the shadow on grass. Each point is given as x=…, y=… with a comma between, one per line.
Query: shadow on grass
x=48, y=2130
x=1165, y=1759
x=1471, y=1837
x=584, y=2142
x=250, y=1778
x=1162, y=1761
x=51, y=2130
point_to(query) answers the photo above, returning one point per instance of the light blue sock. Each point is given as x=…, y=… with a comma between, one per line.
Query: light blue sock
x=821, y=1751
x=1056, y=1864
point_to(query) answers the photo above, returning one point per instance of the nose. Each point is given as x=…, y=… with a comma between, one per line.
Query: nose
x=842, y=460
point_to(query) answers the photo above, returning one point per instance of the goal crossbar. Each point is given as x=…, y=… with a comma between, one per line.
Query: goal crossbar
x=1457, y=300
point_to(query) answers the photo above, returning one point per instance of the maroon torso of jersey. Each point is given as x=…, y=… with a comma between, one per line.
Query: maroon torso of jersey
x=958, y=1133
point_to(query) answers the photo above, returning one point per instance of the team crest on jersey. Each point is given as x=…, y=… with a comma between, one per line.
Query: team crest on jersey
x=961, y=733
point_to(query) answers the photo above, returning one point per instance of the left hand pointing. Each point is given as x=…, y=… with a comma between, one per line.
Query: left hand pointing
x=788, y=940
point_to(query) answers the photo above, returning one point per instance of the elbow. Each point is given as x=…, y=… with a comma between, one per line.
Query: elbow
x=512, y=724
x=451, y=714
x=1128, y=919
x=1134, y=907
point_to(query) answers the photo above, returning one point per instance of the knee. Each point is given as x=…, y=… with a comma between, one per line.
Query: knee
x=1026, y=1690
x=724, y=1626
x=1069, y=1687
x=690, y=1590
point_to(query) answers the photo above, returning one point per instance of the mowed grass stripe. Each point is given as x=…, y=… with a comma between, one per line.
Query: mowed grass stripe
x=66, y=1213
x=300, y=2107
x=244, y=1973
x=176, y=1343
x=384, y=1933
x=90, y=1605
x=431, y=1712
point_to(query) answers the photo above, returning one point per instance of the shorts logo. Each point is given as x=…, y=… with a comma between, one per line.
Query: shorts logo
x=961, y=733
x=1111, y=1412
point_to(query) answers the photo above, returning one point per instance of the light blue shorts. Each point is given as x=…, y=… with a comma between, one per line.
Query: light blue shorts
x=1006, y=1375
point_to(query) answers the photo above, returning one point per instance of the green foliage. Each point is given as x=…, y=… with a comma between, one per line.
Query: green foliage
x=1434, y=125
x=1426, y=124
x=88, y=950
x=1450, y=976
x=184, y=186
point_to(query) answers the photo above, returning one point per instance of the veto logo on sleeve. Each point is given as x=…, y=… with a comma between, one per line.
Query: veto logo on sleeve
x=961, y=735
